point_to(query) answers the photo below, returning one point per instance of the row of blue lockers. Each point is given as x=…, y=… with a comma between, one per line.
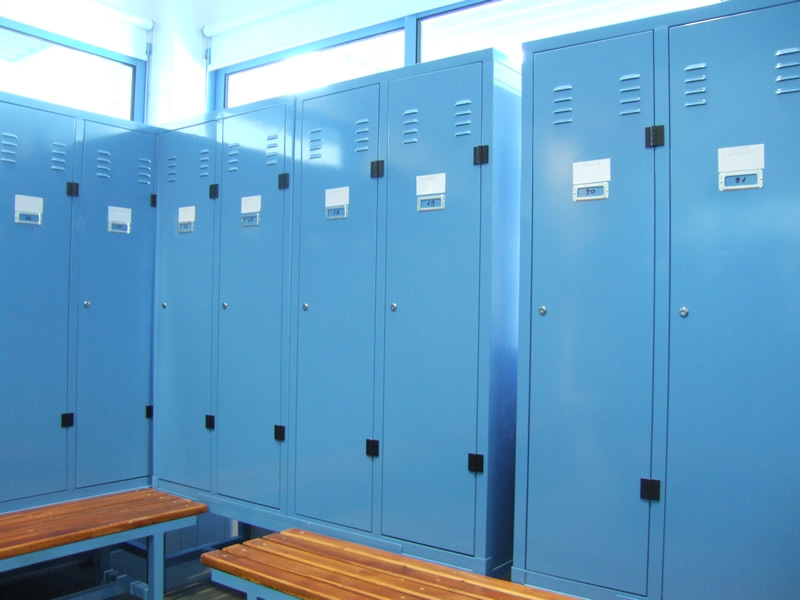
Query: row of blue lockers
x=354, y=324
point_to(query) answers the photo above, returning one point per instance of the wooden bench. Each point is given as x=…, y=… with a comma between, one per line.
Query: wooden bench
x=300, y=564
x=34, y=535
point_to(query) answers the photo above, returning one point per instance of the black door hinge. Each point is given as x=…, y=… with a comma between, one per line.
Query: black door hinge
x=68, y=420
x=480, y=155
x=283, y=181
x=376, y=168
x=210, y=422
x=153, y=200
x=72, y=189
x=373, y=448
x=654, y=136
x=650, y=489
x=148, y=411
x=213, y=191
x=475, y=463
x=280, y=433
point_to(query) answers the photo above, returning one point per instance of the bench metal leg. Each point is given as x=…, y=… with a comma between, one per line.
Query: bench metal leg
x=155, y=567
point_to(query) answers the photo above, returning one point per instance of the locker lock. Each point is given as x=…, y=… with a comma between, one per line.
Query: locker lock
x=305, y=306
x=224, y=306
x=393, y=307
x=543, y=310
x=163, y=305
x=86, y=304
x=683, y=312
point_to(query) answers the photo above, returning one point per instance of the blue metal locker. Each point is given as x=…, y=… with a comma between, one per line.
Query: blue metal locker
x=254, y=247
x=335, y=345
x=36, y=163
x=733, y=464
x=116, y=275
x=185, y=342
x=432, y=313
x=586, y=400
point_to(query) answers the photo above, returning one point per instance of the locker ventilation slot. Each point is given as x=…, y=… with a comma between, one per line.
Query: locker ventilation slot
x=562, y=105
x=695, y=85
x=145, y=171
x=103, y=164
x=205, y=162
x=273, y=144
x=788, y=78
x=8, y=147
x=411, y=126
x=630, y=94
x=58, y=157
x=463, y=118
x=362, y=135
x=172, y=169
x=233, y=157
x=314, y=144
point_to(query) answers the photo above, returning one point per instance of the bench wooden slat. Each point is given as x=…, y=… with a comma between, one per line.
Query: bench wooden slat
x=316, y=567
x=78, y=520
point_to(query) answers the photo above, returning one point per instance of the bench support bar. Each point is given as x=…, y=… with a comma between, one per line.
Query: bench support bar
x=254, y=591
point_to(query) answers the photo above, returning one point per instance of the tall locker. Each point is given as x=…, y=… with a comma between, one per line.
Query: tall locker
x=336, y=283
x=185, y=305
x=254, y=246
x=586, y=396
x=733, y=464
x=432, y=293
x=116, y=277
x=36, y=163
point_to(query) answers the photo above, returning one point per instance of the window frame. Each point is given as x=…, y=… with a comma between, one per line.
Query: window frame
x=138, y=66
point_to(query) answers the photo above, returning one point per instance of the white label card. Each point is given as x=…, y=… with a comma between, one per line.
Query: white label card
x=337, y=197
x=28, y=204
x=251, y=204
x=431, y=184
x=117, y=214
x=740, y=158
x=186, y=214
x=591, y=171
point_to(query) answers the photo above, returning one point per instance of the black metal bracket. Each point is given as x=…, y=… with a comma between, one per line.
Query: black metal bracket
x=213, y=191
x=153, y=200
x=376, y=169
x=480, y=155
x=475, y=463
x=373, y=448
x=283, y=181
x=654, y=136
x=68, y=420
x=73, y=189
x=148, y=411
x=211, y=422
x=650, y=489
x=280, y=433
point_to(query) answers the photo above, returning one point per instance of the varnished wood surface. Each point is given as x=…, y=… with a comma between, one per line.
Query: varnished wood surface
x=315, y=567
x=54, y=525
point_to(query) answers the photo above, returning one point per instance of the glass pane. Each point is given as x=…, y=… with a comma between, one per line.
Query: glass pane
x=507, y=24
x=317, y=69
x=36, y=68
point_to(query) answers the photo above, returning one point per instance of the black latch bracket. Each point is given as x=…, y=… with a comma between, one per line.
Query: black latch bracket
x=213, y=191
x=475, y=463
x=283, y=181
x=211, y=422
x=480, y=155
x=280, y=433
x=373, y=448
x=376, y=169
x=73, y=189
x=68, y=420
x=654, y=136
x=650, y=489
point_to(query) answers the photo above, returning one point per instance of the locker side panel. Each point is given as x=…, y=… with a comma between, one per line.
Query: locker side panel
x=36, y=162
x=592, y=279
x=115, y=313
x=187, y=222
x=252, y=254
x=432, y=321
x=336, y=331
x=733, y=462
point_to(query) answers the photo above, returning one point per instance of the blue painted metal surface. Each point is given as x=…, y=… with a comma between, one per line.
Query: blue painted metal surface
x=254, y=247
x=337, y=229
x=185, y=297
x=733, y=465
x=37, y=157
x=433, y=278
x=115, y=304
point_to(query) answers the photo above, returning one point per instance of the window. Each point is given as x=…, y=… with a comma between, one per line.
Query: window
x=98, y=82
x=315, y=69
x=507, y=24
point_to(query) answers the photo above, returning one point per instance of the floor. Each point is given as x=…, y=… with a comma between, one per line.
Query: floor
x=187, y=579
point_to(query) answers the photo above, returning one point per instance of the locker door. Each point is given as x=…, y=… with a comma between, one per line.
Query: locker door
x=187, y=224
x=733, y=462
x=591, y=372
x=252, y=247
x=432, y=271
x=36, y=162
x=336, y=334
x=115, y=317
